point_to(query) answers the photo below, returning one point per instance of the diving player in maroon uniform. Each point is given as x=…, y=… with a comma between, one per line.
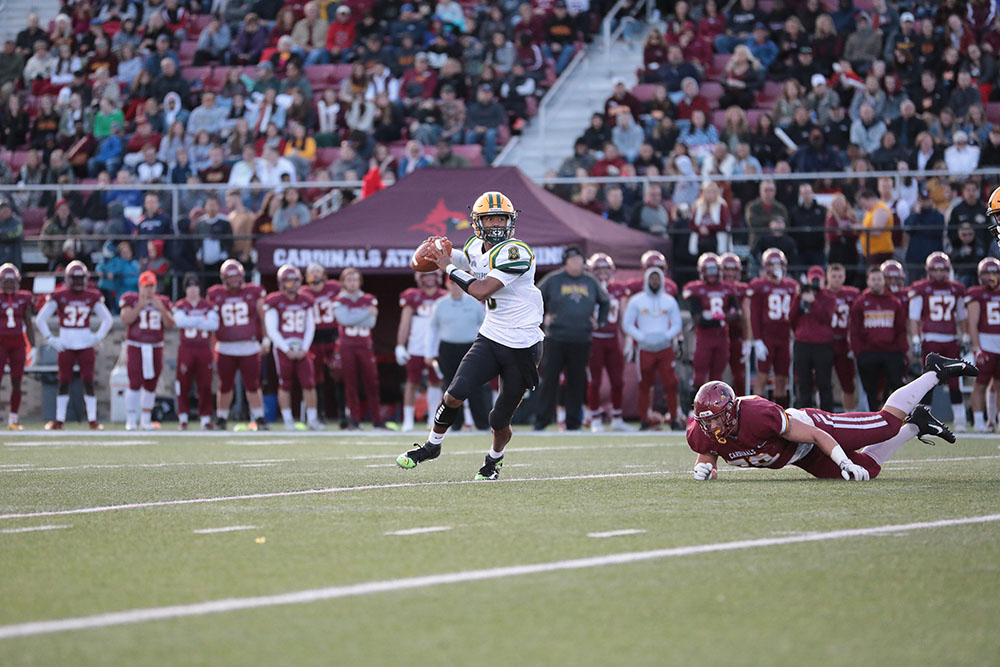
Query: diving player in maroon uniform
x=982, y=304
x=14, y=335
x=74, y=303
x=146, y=314
x=770, y=300
x=937, y=318
x=240, y=341
x=357, y=313
x=288, y=319
x=197, y=321
x=712, y=302
x=752, y=432
x=843, y=359
x=411, y=342
x=738, y=317
x=605, y=349
x=323, y=291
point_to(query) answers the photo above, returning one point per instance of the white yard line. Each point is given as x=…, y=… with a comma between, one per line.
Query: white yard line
x=31, y=529
x=224, y=529
x=131, y=616
x=420, y=531
x=77, y=443
x=312, y=492
x=102, y=466
x=617, y=533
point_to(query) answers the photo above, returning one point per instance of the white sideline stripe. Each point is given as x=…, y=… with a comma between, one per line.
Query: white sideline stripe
x=31, y=529
x=300, y=435
x=617, y=533
x=103, y=466
x=944, y=460
x=336, y=489
x=390, y=585
x=260, y=442
x=256, y=465
x=420, y=531
x=224, y=529
x=77, y=443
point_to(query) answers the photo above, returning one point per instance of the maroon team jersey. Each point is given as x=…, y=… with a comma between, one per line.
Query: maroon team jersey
x=75, y=308
x=15, y=307
x=323, y=316
x=617, y=293
x=758, y=442
x=843, y=298
x=769, y=306
x=355, y=336
x=636, y=285
x=742, y=291
x=714, y=298
x=148, y=327
x=291, y=312
x=238, y=319
x=191, y=337
x=940, y=305
x=989, y=308
x=421, y=302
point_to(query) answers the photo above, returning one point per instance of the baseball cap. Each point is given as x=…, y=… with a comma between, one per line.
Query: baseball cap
x=147, y=278
x=617, y=80
x=806, y=50
x=421, y=56
x=343, y=9
x=815, y=272
x=571, y=251
x=906, y=16
x=62, y=202
x=818, y=80
x=4, y=202
x=960, y=136
x=760, y=25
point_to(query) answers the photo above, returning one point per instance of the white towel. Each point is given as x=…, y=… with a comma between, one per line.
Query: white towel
x=148, y=372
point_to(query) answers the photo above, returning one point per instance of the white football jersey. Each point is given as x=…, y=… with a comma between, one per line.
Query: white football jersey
x=514, y=312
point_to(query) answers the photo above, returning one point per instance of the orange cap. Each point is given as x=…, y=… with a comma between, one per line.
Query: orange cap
x=147, y=278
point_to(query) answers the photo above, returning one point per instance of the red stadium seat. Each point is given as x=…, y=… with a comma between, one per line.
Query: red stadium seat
x=196, y=75
x=320, y=76
x=326, y=156
x=719, y=61
x=17, y=159
x=186, y=52
x=471, y=152
x=753, y=117
x=993, y=112
x=197, y=23
x=718, y=118
x=531, y=106
x=643, y=91
x=712, y=91
x=33, y=219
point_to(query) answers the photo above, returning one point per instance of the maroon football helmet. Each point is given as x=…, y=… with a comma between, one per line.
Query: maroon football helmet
x=989, y=273
x=716, y=409
x=732, y=267
x=652, y=258
x=938, y=267
x=709, y=267
x=232, y=274
x=289, y=278
x=775, y=263
x=77, y=274
x=10, y=278
x=601, y=265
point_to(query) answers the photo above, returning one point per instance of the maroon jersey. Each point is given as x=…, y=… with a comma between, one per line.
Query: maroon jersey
x=940, y=304
x=813, y=327
x=843, y=298
x=323, y=316
x=355, y=336
x=636, y=285
x=769, y=306
x=148, y=327
x=712, y=299
x=238, y=319
x=291, y=311
x=989, y=309
x=15, y=307
x=758, y=442
x=877, y=323
x=191, y=337
x=617, y=292
x=742, y=291
x=75, y=308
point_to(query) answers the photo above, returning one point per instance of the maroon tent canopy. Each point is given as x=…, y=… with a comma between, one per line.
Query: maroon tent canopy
x=380, y=233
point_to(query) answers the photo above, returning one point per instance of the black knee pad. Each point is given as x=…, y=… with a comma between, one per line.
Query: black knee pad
x=499, y=422
x=445, y=416
x=88, y=388
x=63, y=389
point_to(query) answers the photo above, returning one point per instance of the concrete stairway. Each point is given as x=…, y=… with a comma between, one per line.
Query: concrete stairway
x=14, y=15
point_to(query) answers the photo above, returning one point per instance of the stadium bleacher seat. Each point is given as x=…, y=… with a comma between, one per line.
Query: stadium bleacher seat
x=33, y=219
x=326, y=156
x=186, y=52
x=712, y=91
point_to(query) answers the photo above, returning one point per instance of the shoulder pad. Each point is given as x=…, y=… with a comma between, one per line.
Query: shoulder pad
x=468, y=244
x=511, y=256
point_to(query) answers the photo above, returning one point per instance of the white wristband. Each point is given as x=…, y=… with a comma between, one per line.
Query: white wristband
x=448, y=269
x=839, y=457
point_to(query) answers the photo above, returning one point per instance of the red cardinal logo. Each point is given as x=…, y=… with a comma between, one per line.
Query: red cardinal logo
x=440, y=219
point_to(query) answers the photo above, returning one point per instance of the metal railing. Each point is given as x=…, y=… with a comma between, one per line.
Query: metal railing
x=795, y=176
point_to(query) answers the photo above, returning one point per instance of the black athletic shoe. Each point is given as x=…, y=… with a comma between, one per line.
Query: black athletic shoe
x=220, y=424
x=418, y=454
x=927, y=424
x=949, y=368
x=259, y=425
x=491, y=469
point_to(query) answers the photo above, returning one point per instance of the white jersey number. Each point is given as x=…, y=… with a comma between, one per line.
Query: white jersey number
x=940, y=307
x=778, y=306
x=10, y=318
x=293, y=321
x=323, y=312
x=75, y=316
x=840, y=316
x=150, y=319
x=235, y=314
x=992, y=313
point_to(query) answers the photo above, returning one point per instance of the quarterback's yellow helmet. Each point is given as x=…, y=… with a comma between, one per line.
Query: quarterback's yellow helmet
x=992, y=210
x=493, y=203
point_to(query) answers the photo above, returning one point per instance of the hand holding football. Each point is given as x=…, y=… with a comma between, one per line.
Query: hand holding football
x=421, y=262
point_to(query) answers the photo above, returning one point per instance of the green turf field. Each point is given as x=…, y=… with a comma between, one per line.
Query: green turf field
x=309, y=572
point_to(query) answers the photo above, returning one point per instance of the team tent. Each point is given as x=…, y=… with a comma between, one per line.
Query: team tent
x=378, y=234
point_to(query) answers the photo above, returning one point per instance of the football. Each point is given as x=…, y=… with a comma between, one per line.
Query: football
x=421, y=263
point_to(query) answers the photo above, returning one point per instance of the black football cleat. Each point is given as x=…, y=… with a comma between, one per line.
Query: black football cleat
x=221, y=424
x=491, y=469
x=417, y=455
x=929, y=425
x=949, y=368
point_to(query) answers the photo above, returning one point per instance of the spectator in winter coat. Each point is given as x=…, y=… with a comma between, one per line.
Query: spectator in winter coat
x=11, y=234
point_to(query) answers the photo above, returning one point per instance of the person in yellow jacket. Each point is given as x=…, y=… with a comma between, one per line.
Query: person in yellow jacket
x=876, y=237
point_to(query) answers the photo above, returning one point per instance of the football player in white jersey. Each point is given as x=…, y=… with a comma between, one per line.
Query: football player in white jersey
x=499, y=270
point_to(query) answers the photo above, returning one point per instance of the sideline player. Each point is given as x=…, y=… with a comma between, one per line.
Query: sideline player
x=605, y=349
x=146, y=314
x=509, y=344
x=752, y=432
x=770, y=301
x=14, y=335
x=324, y=346
x=357, y=313
x=937, y=318
x=288, y=319
x=239, y=341
x=196, y=320
x=417, y=303
x=738, y=317
x=712, y=302
x=982, y=304
x=74, y=303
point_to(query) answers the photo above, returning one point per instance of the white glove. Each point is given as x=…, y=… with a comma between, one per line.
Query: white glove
x=745, y=351
x=851, y=471
x=703, y=472
x=56, y=344
x=402, y=356
x=629, y=351
x=915, y=345
x=760, y=350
